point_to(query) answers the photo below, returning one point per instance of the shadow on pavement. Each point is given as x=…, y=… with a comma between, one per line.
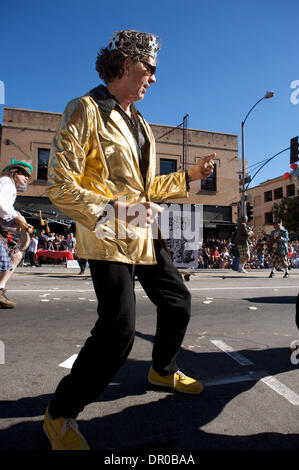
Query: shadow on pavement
x=168, y=421
x=281, y=299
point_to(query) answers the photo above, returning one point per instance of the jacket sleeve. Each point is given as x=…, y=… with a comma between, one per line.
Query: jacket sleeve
x=172, y=186
x=70, y=149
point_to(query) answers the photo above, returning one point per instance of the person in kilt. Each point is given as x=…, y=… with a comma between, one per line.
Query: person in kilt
x=243, y=243
x=279, y=249
x=14, y=176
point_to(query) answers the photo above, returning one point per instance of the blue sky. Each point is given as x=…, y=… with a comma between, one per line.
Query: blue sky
x=218, y=59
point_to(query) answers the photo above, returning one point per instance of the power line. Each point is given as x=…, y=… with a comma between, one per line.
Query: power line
x=169, y=132
x=257, y=163
x=267, y=161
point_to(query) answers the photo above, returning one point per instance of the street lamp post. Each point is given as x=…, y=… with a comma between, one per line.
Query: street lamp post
x=268, y=94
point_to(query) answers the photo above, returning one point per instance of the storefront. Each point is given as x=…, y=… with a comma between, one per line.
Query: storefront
x=42, y=214
x=217, y=222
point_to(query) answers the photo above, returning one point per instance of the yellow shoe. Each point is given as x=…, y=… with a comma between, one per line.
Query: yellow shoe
x=64, y=434
x=177, y=381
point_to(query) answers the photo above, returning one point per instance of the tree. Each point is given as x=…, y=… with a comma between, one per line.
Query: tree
x=288, y=211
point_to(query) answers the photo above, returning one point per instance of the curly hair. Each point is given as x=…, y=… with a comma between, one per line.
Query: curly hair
x=109, y=64
x=125, y=43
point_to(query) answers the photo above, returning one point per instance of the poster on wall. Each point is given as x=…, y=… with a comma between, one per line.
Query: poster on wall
x=182, y=228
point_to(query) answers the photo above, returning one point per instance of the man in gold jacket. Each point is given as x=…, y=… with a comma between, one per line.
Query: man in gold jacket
x=102, y=174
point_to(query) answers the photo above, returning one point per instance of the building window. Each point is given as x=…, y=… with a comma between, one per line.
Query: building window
x=268, y=196
x=290, y=190
x=268, y=218
x=167, y=166
x=209, y=184
x=43, y=158
x=278, y=193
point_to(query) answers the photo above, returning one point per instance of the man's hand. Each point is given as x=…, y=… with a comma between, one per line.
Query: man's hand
x=141, y=214
x=20, y=221
x=203, y=168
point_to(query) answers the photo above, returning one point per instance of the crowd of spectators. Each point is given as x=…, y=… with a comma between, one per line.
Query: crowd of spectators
x=50, y=242
x=213, y=253
x=54, y=241
x=221, y=254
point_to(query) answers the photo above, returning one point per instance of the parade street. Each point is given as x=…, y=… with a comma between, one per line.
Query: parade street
x=237, y=343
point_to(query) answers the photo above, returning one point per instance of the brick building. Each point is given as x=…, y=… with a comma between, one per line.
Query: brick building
x=265, y=195
x=27, y=134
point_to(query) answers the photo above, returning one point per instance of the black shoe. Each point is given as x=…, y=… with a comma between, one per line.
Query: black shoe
x=286, y=275
x=271, y=275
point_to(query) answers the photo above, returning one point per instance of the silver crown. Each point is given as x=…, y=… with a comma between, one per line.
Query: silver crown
x=132, y=43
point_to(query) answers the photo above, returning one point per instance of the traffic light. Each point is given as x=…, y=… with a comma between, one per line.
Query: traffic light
x=294, y=151
x=249, y=211
x=246, y=180
x=240, y=184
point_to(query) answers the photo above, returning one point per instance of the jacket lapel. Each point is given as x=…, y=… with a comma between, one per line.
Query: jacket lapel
x=106, y=105
x=151, y=171
x=117, y=120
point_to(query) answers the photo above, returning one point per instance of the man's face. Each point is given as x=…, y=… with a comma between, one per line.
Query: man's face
x=140, y=75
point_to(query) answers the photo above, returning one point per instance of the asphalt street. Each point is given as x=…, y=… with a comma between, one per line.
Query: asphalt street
x=237, y=343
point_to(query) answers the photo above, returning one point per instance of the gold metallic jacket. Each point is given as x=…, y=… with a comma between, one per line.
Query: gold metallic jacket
x=94, y=159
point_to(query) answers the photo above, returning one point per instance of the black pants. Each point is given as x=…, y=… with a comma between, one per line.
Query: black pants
x=32, y=258
x=112, y=337
x=82, y=264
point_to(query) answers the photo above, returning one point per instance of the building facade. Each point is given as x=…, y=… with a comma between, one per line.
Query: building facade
x=27, y=134
x=265, y=195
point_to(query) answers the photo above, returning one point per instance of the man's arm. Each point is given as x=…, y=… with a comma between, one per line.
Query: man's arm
x=70, y=148
x=173, y=186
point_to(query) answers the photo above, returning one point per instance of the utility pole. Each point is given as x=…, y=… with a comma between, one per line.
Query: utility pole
x=185, y=140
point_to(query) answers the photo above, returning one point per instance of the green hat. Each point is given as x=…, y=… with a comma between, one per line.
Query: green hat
x=25, y=166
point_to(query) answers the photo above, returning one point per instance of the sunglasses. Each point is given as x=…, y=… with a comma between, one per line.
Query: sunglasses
x=150, y=69
x=24, y=173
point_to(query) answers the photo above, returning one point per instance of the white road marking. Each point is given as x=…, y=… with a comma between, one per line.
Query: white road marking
x=281, y=389
x=256, y=376
x=244, y=288
x=69, y=362
x=242, y=360
x=49, y=290
x=269, y=380
x=247, y=377
x=139, y=289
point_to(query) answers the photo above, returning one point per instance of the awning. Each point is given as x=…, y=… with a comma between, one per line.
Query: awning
x=213, y=224
x=30, y=207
